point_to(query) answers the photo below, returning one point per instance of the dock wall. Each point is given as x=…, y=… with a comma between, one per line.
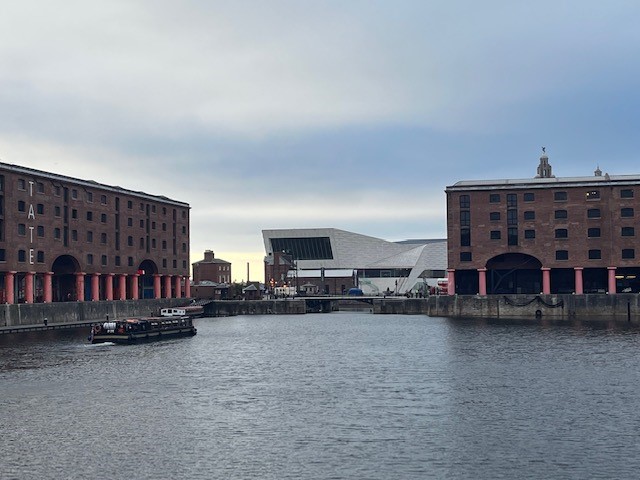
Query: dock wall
x=78, y=312
x=556, y=307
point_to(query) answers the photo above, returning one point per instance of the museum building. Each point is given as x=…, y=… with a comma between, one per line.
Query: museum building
x=66, y=239
x=544, y=235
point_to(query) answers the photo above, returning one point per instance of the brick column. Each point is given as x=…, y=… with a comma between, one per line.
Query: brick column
x=108, y=293
x=546, y=280
x=28, y=287
x=451, y=284
x=579, y=285
x=9, y=286
x=178, y=286
x=482, y=281
x=187, y=287
x=80, y=286
x=48, y=287
x=167, y=286
x=612, y=280
x=134, y=286
x=156, y=285
x=95, y=287
x=122, y=286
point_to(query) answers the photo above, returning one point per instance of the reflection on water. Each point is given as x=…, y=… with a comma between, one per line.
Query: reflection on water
x=343, y=395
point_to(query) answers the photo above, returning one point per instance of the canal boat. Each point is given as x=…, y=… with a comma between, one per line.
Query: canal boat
x=138, y=329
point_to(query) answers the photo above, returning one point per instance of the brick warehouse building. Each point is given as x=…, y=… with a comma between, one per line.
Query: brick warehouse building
x=63, y=238
x=544, y=234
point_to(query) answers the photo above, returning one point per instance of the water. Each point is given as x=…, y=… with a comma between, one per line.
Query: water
x=332, y=396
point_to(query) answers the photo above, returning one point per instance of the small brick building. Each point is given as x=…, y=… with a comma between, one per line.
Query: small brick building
x=211, y=269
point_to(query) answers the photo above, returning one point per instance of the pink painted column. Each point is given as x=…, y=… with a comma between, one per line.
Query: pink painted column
x=95, y=287
x=612, y=280
x=80, y=286
x=451, y=281
x=482, y=281
x=28, y=287
x=579, y=285
x=122, y=286
x=167, y=286
x=187, y=287
x=178, y=286
x=109, y=287
x=9, y=286
x=134, y=286
x=156, y=285
x=546, y=280
x=48, y=287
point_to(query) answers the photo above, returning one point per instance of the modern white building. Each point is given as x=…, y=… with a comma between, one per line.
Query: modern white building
x=380, y=266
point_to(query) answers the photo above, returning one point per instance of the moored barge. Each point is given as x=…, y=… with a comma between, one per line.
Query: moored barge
x=132, y=330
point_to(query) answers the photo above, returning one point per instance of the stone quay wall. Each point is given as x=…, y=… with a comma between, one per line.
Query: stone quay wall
x=552, y=307
x=81, y=312
x=226, y=308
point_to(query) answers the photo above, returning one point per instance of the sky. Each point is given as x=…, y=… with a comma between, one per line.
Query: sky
x=352, y=114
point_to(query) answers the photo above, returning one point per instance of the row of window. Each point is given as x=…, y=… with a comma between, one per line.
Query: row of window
x=23, y=184
x=558, y=196
x=564, y=233
x=465, y=216
x=595, y=254
x=39, y=258
x=57, y=234
x=22, y=207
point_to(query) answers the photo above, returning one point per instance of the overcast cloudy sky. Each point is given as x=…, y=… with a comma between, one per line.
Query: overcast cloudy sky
x=353, y=114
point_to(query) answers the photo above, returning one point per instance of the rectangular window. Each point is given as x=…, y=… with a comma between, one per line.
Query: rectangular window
x=89, y=216
x=40, y=256
x=103, y=238
x=494, y=216
x=90, y=197
x=628, y=232
x=494, y=198
x=593, y=195
x=593, y=232
x=103, y=199
x=56, y=233
x=626, y=212
x=89, y=236
x=465, y=218
x=512, y=217
x=464, y=201
x=529, y=234
x=465, y=237
x=559, y=196
x=40, y=231
x=495, y=235
x=529, y=215
x=103, y=218
x=512, y=200
x=595, y=254
x=562, y=233
x=103, y=260
x=593, y=213
x=22, y=184
x=74, y=194
x=22, y=229
x=74, y=213
x=465, y=256
x=57, y=211
x=74, y=235
x=117, y=261
x=529, y=197
x=129, y=204
x=22, y=255
x=130, y=222
x=512, y=236
x=628, y=253
x=562, y=254
x=40, y=187
x=89, y=259
x=626, y=193
x=560, y=214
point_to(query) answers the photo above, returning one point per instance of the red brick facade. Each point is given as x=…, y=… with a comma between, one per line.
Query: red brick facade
x=63, y=238
x=558, y=235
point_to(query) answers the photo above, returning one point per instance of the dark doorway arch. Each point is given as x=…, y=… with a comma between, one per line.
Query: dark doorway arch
x=64, y=269
x=514, y=273
x=147, y=269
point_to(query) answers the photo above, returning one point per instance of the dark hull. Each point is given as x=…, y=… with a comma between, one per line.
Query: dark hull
x=146, y=336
